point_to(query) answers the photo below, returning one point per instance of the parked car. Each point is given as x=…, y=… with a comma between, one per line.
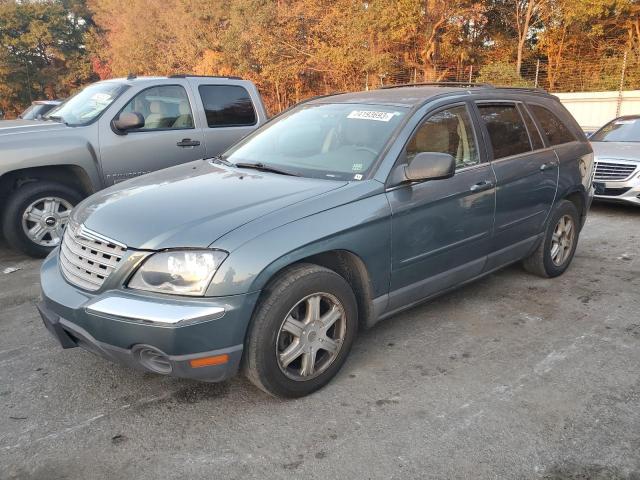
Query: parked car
x=338, y=213
x=617, y=160
x=38, y=109
x=109, y=132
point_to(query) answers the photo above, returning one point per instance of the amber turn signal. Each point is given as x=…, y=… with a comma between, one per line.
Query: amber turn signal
x=209, y=361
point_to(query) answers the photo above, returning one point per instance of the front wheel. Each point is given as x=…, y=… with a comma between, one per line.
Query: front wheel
x=301, y=332
x=554, y=254
x=36, y=215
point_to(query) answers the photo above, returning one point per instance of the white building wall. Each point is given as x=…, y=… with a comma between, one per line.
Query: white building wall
x=594, y=109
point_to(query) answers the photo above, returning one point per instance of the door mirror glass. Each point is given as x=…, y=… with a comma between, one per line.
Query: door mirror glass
x=430, y=166
x=127, y=121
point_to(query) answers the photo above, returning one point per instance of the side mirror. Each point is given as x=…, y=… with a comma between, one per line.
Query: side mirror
x=426, y=166
x=127, y=121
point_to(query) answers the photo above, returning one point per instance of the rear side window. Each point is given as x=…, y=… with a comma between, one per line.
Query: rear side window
x=555, y=130
x=227, y=106
x=506, y=129
x=534, y=134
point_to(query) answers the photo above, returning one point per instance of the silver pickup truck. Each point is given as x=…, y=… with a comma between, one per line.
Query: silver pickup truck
x=109, y=132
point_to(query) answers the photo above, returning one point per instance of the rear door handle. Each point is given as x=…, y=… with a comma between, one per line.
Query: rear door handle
x=187, y=142
x=482, y=186
x=548, y=165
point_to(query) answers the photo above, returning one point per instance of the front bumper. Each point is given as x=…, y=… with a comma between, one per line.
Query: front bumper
x=619, y=191
x=120, y=325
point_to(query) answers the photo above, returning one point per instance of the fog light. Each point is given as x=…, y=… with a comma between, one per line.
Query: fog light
x=153, y=359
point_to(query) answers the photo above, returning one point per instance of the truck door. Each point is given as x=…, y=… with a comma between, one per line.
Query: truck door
x=228, y=112
x=171, y=134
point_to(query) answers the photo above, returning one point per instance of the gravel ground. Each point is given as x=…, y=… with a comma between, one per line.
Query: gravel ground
x=511, y=377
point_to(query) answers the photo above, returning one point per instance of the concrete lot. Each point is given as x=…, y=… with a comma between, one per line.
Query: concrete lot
x=511, y=377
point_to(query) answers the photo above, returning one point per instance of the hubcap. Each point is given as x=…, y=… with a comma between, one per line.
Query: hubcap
x=44, y=220
x=562, y=240
x=311, y=336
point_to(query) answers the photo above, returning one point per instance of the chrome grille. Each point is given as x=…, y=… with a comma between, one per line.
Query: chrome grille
x=87, y=258
x=607, y=170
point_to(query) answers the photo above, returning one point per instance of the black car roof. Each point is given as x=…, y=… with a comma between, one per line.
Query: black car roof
x=412, y=95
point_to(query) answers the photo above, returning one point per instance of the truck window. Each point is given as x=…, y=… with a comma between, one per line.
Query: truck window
x=163, y=108
x=506, y=129
x=227, y=106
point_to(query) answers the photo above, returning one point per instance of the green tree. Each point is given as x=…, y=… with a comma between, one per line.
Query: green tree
x=42, y=52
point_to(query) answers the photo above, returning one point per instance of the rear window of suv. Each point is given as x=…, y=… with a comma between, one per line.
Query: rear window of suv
x=555, y=130
x=506, y=129
x=227, y=106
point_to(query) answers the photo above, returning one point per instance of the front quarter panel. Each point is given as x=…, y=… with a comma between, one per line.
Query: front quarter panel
x=361, y=227
x=50, y=147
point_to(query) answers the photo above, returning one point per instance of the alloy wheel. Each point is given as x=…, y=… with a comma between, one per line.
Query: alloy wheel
x=562, y=240
x=311, y=336
x=44, y=220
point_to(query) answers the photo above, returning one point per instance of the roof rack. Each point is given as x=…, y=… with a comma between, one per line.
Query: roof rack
x=187, y=75
x=525, y=89
x=440, y=84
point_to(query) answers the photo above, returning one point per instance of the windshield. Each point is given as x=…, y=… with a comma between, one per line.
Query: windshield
x=619, y=130
x=34, y=111
x=334, y=141
x=86, y=105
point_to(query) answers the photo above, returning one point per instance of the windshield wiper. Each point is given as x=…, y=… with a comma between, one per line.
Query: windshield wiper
x=263, y=168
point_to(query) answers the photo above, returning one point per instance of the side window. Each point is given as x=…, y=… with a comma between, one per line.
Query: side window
x=448, y=131
x=506, y=129
x=164, y=107
x=555, y=130
x=534, y=134
x=227, y=106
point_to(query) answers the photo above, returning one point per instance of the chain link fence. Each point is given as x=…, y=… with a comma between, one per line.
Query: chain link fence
x=615, y=72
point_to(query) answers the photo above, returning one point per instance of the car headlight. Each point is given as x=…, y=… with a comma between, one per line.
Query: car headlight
x=186, y=272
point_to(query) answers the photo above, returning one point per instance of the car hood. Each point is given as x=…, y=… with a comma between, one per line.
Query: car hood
x=191, y=205
x=12, y=127
x=616, y=150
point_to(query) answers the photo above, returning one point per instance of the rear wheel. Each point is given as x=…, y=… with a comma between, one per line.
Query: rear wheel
x=36, y=215
x=301, y=332
x=554, y=254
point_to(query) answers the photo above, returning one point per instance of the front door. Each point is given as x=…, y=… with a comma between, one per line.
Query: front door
x=527, y=179
x=441, y=228
x=169, y=136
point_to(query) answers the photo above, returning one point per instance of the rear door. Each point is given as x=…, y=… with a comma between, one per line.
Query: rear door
x=441, y=229
x=170, y=136
x=228, y=111
x=527, y=179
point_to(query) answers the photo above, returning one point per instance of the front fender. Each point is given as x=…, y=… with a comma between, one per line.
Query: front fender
x=72, y=146
x=362, y=227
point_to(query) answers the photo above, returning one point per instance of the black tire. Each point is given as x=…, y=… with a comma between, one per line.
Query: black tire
x=540, y=262
x=17, y=204
x=260, y=362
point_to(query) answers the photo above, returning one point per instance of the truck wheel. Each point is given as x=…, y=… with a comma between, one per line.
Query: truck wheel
x=301, y=331
x=555, y=252
x=35, y=216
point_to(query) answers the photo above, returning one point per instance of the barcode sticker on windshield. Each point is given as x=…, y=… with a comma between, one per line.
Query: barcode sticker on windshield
x=371, y=115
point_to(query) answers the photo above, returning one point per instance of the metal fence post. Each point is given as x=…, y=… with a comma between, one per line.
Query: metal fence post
x=620, y=90
x=537, y=72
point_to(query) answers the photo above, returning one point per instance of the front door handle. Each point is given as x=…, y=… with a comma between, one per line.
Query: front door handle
x=481, y=186
x=548, y=165
x=187, y=142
